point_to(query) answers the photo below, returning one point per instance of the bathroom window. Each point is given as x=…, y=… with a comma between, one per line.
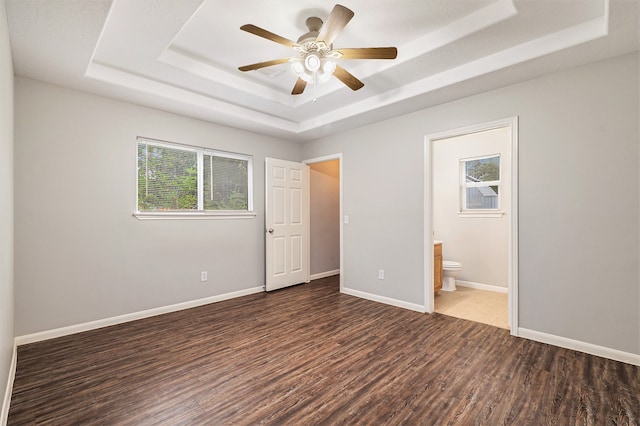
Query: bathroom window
x=480, y=184
x=181, y=181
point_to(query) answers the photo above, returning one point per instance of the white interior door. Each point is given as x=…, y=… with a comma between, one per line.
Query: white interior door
x=287, y=223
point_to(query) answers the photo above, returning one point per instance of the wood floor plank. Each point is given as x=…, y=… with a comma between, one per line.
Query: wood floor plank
x=310, y=355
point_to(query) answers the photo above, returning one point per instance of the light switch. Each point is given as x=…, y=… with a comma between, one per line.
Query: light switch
x=346, y=219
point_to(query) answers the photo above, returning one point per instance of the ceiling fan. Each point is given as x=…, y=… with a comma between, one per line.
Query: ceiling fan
x=315, y=58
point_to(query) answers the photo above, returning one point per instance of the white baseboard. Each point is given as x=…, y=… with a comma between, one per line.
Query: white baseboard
x=485, y=287
x=6, y=402
x=64, y=331
x=382, y=299
x=577, y=345
x=325, y=274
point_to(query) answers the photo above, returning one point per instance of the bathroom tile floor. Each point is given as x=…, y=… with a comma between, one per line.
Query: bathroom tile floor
x=467, y=303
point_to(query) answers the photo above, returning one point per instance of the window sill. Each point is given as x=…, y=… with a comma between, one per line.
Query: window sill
x=482, y=213
x=193, y=215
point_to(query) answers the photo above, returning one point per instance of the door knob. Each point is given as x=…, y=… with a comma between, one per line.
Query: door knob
x=270, y=230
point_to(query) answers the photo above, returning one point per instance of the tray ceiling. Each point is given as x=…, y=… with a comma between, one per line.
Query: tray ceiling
x=183, y=56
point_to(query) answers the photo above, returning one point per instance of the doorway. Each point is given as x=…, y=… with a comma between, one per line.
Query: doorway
x=477, y=213
x=325, y=193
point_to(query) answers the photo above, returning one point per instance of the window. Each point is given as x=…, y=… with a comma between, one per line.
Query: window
x=480, y=184
x=182, y=180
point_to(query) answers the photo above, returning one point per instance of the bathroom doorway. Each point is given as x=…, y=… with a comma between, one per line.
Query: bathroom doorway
x=471, y=210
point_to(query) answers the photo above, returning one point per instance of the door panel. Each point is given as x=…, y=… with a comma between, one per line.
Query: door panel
x=296, y=253
x=287, y=223
x=278, y=205
x=296, y=206
x=278, y=256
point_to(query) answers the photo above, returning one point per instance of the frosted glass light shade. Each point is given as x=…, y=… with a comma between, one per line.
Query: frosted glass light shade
x=312, y=63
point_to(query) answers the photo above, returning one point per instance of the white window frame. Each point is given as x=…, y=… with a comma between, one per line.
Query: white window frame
x=465, y=212
x=200, y=213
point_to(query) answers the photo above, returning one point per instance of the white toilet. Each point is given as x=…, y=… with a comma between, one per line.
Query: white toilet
x=450, y=271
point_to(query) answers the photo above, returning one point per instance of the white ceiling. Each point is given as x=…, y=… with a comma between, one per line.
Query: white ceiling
x=183, y=55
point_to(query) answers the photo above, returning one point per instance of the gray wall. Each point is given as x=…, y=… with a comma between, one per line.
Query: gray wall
x=579, y=194
x=6, y=202
x=79, y=254
x=479, y=243
x=324, y=186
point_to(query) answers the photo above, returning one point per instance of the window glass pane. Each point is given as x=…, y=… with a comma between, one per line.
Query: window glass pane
x=483, y=170
x=482, y=197
x=167, y=178
x=225, y=183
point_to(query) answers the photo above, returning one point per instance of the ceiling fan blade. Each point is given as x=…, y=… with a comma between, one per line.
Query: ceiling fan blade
x=263, y=64
x=299, y=87
x=369, y=53
x=260, y=32
x=347, y=78
x=338, y=19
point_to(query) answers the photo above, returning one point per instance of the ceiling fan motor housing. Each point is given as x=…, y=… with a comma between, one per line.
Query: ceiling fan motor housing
x=314, y=24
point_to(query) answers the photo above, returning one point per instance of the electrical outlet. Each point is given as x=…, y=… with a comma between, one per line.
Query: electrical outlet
x=203, y=276
x=381, y=274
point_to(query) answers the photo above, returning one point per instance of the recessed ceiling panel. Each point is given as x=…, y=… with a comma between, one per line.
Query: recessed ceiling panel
x=183, y=56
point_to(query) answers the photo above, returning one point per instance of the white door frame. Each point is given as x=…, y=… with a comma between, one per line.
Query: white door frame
x=512, y=124
x=322, y=160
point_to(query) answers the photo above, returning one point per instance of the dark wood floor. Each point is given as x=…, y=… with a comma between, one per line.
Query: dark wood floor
x=310, y=355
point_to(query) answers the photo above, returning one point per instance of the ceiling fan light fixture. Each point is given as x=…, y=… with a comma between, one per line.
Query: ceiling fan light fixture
x=312, y=62
x=297, y=67
x=328, y=67
x=327, y=70
x=301, y=71
x=306, y=77
x=324, y=77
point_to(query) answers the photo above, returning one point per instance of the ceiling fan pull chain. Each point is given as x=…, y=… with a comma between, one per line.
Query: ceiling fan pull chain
x=314, y=89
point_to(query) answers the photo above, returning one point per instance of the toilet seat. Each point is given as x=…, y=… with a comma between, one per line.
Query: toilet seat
x=451, y=265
